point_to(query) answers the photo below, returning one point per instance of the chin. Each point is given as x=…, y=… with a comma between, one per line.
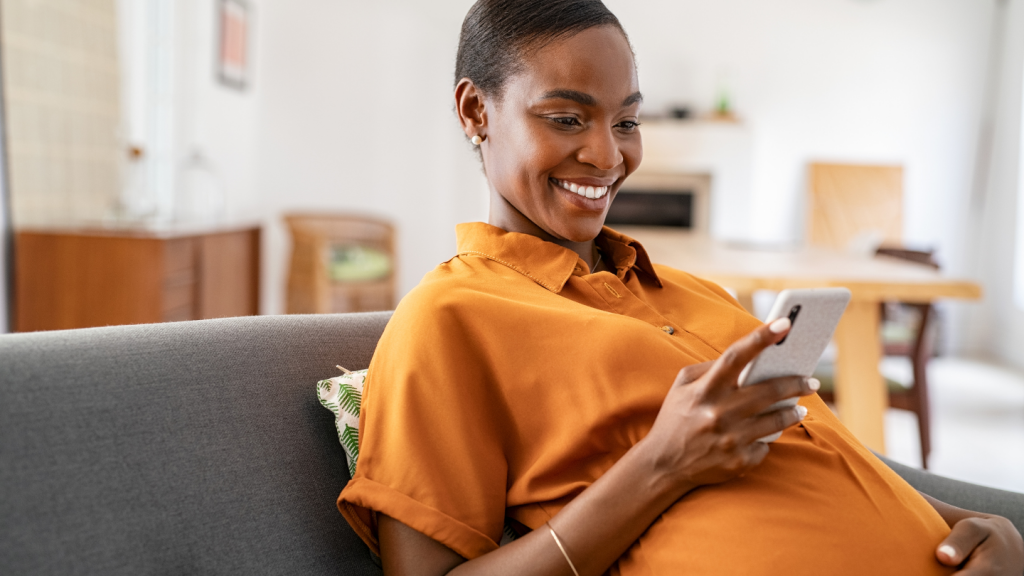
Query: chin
x=583, y=232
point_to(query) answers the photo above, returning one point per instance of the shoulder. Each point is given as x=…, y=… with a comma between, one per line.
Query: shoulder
x=455, y=302
x=470, y=285
x=461, y=286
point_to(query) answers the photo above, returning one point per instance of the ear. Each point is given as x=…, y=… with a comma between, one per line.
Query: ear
x=471, y=108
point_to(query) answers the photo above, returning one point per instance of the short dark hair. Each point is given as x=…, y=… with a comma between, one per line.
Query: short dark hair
x=496, y=33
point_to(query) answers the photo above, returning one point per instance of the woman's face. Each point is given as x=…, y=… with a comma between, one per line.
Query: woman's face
x=564, y=136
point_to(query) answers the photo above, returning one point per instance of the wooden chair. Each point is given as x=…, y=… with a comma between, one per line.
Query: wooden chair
x=848, y=202
x=340, y=263
x=918, y=346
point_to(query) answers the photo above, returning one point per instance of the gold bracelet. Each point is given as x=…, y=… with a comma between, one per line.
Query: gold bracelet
x=562, y=548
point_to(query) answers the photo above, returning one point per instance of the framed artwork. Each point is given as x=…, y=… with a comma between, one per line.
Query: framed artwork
x=233, y=43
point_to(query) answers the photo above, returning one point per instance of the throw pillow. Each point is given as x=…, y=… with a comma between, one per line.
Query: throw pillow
x=343, y=395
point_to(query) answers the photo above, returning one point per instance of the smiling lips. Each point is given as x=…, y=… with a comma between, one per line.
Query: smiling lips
x=592, y=192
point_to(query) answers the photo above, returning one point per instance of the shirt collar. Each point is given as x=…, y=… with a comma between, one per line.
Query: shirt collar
x=547, y=263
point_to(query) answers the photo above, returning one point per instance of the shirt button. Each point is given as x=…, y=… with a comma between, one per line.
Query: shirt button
x=668, y=330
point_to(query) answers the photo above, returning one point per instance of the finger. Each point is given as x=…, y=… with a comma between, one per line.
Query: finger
x=771, y=422
x=978, y=565
x=975, y=567
x=727, y=368
x=753, y=455
x=755, y=399
x=693, y=372
x=966, y=535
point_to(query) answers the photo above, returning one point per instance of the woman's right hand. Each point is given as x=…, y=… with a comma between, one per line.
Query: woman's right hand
x=708, y=427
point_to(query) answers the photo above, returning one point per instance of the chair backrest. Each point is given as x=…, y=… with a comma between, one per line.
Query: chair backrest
x=181, y=448
x=849, y=203
x=315, y=237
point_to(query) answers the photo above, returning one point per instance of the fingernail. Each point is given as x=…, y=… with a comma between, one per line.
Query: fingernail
x=948, y=550
x=801, y=411
x=814, y=384
x=780, y=325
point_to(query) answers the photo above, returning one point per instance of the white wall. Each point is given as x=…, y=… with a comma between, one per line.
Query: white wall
x=356, y=109
x=1018, y=280
x=217, y=121
x=996, y=328
x=356, y=115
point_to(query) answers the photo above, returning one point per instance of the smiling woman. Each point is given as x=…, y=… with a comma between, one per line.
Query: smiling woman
x=552, y=379
x=560, y=135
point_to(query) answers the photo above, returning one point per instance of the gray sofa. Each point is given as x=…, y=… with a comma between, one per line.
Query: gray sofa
x=199, y=448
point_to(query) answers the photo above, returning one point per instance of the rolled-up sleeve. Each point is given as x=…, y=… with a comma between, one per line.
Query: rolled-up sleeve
x=431, y=452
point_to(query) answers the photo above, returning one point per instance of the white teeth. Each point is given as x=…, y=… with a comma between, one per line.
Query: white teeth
x=591, y=192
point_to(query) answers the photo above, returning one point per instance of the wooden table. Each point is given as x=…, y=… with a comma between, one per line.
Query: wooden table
x=861, y=395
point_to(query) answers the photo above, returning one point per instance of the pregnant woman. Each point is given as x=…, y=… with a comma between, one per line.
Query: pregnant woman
x=550, y=377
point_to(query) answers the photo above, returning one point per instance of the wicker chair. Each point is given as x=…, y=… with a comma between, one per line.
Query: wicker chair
x=340, y=263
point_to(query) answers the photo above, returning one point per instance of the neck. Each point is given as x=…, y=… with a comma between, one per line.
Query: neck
x=507, y=217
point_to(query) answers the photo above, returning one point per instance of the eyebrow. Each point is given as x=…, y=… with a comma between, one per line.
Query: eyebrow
x=633, y=99
x=587, y=99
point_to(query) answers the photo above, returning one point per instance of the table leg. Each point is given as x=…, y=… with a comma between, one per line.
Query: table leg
x=861, y=396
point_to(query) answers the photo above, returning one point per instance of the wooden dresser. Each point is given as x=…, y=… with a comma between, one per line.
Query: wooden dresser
x=99, y=277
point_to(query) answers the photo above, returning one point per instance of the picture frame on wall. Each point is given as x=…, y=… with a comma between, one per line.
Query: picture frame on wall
x=233, y=21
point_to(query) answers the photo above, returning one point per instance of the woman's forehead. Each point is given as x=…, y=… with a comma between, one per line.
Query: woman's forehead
x=596, y=63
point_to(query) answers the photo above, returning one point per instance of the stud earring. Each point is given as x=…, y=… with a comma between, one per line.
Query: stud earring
x=476, y=140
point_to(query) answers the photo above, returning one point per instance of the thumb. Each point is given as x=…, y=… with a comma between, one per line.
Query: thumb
x=966, y=535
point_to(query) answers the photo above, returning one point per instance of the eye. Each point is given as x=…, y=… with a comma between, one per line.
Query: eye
x=568, y=121
x=627, y=125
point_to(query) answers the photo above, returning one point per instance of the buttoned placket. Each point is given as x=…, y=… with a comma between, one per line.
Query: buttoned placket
x=542, y=263
x=615, y=296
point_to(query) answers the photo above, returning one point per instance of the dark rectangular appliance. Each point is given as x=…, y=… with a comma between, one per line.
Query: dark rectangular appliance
x=652, y=208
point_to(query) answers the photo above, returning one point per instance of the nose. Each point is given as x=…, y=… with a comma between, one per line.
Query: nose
x=601, y=150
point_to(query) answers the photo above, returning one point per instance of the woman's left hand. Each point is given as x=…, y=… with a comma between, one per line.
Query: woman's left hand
x=983, y=545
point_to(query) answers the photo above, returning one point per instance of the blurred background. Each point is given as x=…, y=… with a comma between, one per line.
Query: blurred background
x=226, y=157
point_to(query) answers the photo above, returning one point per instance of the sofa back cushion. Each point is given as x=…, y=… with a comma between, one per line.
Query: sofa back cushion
x=183, y=448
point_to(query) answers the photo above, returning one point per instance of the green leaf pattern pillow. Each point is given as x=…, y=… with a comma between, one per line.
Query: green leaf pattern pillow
x=343, y=395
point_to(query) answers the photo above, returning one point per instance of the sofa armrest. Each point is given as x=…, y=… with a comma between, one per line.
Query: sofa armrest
x=964, y=494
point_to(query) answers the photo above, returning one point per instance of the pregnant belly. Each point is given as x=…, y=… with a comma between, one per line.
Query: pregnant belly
x=819, y=504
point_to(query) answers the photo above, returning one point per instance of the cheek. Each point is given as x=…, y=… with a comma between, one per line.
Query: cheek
x=528, y=154
x=632, y=154
x=542, y=155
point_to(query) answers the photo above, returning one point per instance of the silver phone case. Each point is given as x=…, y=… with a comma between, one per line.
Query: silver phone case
x=799, y=352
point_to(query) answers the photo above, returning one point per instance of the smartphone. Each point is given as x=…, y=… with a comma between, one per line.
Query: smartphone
x=814, y=314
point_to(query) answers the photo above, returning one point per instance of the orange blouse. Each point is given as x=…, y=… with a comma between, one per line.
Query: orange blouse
x=511, y=379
